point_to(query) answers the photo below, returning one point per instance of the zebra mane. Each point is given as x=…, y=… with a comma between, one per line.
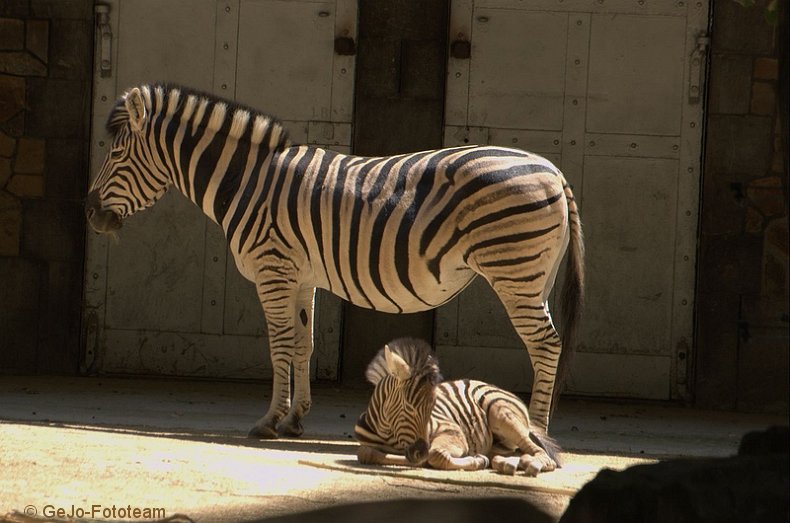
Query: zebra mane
x=415, y=352
x=173, y=98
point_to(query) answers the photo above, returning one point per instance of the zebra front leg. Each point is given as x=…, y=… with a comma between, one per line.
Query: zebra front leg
x=279, y=320
x=368, y=455
x=303, y=348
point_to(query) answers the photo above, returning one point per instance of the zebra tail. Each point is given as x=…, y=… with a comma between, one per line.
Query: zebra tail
x=547, y=443
x=572, y=298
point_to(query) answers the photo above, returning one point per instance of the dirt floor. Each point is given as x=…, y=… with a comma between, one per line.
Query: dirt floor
x=138, y=449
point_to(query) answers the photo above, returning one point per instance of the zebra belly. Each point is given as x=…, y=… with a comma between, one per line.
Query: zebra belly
x=427, y=293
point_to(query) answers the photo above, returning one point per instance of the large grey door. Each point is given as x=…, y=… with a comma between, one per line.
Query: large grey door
x=609, y=91
x=165, y=298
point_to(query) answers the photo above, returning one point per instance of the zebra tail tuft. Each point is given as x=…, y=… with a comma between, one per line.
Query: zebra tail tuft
x=572, y=298
x=547, y=443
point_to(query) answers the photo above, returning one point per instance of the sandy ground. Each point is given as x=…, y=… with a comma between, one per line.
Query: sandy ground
x=138, y=449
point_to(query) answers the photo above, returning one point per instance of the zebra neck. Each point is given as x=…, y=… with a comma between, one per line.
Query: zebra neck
x=217, y=161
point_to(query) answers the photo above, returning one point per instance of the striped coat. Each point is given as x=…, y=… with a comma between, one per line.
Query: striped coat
x=396, y=234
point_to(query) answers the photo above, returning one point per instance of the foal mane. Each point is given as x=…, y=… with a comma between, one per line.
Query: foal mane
x=415, y=352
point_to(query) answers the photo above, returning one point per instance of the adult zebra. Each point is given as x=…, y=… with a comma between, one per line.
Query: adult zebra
x=396, y=234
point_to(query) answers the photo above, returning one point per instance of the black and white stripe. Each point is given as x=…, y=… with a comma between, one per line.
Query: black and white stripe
x=396, y=234
x=451, y=425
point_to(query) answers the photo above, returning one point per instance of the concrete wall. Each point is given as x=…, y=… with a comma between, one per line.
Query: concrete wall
x=742, y=297
x=45, y=68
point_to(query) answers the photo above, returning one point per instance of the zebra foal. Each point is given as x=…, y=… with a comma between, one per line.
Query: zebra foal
x=450, y=425
x=396, y=234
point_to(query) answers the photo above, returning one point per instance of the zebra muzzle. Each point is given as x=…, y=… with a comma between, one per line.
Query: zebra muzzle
x=101, y=220
x=417, y=452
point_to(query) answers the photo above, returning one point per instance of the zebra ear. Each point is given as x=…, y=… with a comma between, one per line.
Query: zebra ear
x=396, y=365
x=136, y=108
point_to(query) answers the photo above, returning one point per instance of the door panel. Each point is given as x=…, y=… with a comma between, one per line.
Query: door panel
x=268, y=66
x=167, y=297
x=635, y=82
x=604, y=91
x=524, y=83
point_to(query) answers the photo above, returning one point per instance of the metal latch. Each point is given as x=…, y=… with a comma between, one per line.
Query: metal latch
x=695, y=68
x=105, y=39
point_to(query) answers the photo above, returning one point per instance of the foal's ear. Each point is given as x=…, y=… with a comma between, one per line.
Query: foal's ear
x=135, y=105
x=396, y=365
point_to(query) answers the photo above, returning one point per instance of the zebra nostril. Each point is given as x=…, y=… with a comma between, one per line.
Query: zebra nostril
x=89, y=212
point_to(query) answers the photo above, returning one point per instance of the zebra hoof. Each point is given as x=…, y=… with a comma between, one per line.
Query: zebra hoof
x=290, y=429
x=262, y=432
x=503, y=465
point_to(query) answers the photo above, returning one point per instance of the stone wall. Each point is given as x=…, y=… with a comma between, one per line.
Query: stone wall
x=742, y=297
x=45, y=79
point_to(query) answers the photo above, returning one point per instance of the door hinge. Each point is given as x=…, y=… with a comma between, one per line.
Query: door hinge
x=696, y=68
x=104, y=39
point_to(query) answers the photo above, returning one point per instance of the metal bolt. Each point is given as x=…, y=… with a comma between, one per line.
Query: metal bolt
x=343, y=70
x=225, y=46
x=685, y=258
x=690, y=169
x=688, y=213
x=515, y=140
x=577, y=61
x=675, y=147
x=103, y=98
x=592, y=143
x=575, y=102
x=573, y=142
x=323, y=14
x=693, y=124
x=458, y=75
x=95, y=275
x=633, y=145
x=578, y=22
x=684, y=302
x=213, y=302
x=482, y=19
x=224, y=86
x=216, y=258
x=101, y=143
x=556, y=142
x=227, y=9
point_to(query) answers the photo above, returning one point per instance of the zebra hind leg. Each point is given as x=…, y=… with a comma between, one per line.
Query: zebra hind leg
x=450, y=451
x=532, y=321
x=511, y=426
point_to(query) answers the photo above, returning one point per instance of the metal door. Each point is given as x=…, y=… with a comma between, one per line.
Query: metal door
x=610, y=92
x=166, y=298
